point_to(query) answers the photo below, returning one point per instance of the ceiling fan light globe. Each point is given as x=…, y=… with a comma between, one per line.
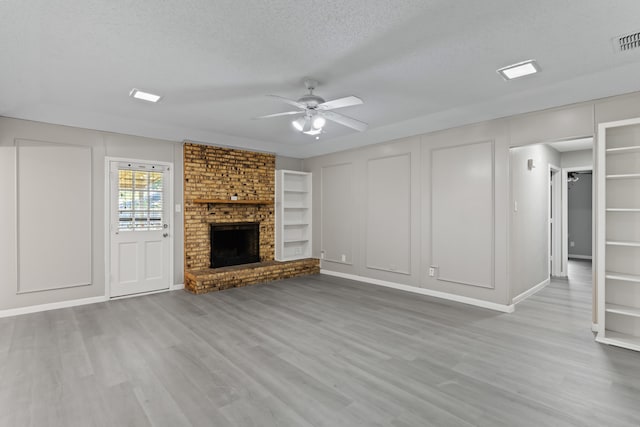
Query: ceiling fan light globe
x=319, y=122
x=298, y=124
x=307, y=124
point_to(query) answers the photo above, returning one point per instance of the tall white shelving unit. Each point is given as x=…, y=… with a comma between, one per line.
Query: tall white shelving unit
x=618, y=233
x=293, y=215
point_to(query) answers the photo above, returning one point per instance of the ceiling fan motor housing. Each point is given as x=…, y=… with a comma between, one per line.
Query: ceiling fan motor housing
x=311, y=101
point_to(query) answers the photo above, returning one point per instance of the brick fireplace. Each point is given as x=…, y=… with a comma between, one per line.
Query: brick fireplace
x=212, y=177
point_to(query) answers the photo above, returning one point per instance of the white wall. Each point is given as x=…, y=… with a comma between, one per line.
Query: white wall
x=288, y=163
x=570, y=159
x=342, y=193
x=344, y=182
x=102, y=144
x=361, y=194
x=356, y=190
x=530, y=221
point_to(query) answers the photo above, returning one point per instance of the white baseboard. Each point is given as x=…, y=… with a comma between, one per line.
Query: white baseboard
x=51, y=306
x=171, y=288
x=423, y=291
x=73, y=303
x=531, y=291
x=580, y=256
x=141, y=294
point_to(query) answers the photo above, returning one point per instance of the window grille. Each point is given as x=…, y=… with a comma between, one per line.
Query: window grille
x=140, y=200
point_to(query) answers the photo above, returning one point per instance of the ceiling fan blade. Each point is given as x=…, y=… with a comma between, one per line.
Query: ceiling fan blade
x=345, y=121
x=347, y=101
x=289, y=101
x=288, y=113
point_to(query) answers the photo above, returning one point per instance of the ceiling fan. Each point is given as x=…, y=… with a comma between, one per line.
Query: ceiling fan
x=316, y=111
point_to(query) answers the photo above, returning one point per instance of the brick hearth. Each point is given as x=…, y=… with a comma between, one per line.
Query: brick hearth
x=207, y=280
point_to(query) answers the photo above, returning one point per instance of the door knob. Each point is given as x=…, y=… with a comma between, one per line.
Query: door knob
x=165, y=234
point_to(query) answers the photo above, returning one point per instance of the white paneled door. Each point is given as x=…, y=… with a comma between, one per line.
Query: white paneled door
x=140, y=227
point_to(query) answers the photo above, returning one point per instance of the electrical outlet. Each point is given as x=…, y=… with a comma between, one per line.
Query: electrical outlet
x=343, y=258
x=298, y=251
x=321, y=254
x=432, y=271
x=572, y=244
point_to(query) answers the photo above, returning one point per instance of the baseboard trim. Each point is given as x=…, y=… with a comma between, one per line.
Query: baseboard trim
x=526, y=294
x=50, y=306
x=423, y=291
x=76, y=302
x=141, y=294
x=580, y=256
x=601, y=338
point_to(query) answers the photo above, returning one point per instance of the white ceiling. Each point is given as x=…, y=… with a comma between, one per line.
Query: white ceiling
x=419, y=65
x=573, y=145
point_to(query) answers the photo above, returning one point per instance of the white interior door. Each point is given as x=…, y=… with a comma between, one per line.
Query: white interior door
x=555, y=222
x=140, y=255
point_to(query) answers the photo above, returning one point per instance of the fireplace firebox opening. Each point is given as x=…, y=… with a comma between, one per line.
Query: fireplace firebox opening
x=234, y=243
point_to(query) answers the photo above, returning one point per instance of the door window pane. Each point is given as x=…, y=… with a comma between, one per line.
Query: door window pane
x=140, y=200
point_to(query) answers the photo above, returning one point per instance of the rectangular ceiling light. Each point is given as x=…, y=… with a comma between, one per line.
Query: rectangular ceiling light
x=520, y=69
x=145, y=96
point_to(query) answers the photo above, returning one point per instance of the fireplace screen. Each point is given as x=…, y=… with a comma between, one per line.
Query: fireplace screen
x=234, y=243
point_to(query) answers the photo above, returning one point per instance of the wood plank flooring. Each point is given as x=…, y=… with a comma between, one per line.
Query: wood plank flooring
x=317, y=351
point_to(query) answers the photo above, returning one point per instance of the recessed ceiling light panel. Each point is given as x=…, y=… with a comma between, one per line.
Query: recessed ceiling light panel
x=520, y=69
x=145, y=96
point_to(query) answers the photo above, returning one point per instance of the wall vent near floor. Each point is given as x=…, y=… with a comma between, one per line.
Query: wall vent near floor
x=627, y=42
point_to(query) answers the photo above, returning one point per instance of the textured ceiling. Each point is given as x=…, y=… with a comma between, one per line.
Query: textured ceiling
x=573, y=145
x=419, y=65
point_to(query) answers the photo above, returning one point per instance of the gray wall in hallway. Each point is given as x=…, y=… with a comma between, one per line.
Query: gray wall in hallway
x=579, y=215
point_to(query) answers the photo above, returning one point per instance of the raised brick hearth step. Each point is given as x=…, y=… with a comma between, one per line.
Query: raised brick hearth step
x=216, y=279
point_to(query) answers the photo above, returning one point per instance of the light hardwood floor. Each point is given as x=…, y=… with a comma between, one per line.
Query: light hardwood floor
x=316, y=351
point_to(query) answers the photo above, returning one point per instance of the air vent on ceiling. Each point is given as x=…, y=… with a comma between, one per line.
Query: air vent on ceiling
x=627, y=42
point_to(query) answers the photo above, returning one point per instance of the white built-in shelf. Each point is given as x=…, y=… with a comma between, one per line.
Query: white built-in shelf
x=293, y=215
x=624, y=176
x=623, y=243
x=619, y=339
x=617, y=178
x=623, y=277
x=623, y=310
x=624, y=150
